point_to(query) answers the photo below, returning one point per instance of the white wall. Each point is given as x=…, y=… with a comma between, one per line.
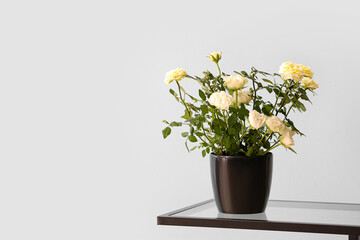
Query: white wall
x=82, y=98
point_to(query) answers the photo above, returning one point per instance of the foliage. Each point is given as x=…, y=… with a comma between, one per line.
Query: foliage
x=229, y=132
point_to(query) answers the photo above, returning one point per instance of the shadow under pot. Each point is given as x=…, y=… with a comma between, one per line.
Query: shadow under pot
x=241, y=184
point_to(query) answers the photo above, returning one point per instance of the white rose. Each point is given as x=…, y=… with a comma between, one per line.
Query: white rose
x=307, y=71
x=289, y=70
x=176, y=74
x=256, y=119
x=215, y=56
x=287, y=139
x=220, y=100
x=235, y=82
x=309, y=83
x=275, y=124
x=243, y=96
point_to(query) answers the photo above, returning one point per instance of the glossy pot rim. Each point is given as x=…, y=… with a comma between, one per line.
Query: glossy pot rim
x=241, y=157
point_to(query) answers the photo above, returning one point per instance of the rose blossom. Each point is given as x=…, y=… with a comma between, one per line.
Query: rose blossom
x=287, y=139
x=256, y=119
x=235, y=82
x=220, y=100
x=215, y=56
x=275, y=124
x=243, y=96
x=176, y=74
x=309, y=83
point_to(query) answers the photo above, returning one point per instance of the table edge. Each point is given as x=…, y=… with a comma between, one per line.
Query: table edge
x=169, y=219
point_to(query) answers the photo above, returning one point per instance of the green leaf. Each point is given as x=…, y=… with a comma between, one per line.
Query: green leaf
x=259, y=84
x=204, y=109
x=175, y=124
x=276, y=91
x=266, y=109
x=227, y=142
x=237, y=128
x=208, y=150
x=187, y=148
x=172, y=92
x=222, y=123
x=232, y=110
x=305, y=97
x=199, y=134
x=216, y=129
x=187, y=115
x=292, y=150
x=243, y=112
x=193, y=98
x=166, y=132
x=231, y=131
x=250, y=151
x=234, y=147
x=164, y=121
x=269, y=89
x=232, y=119
x=191, y=130
x=267, y=144
x=192, y=138
x=267, y=80
x=203, y=153
x=300, y=106
x=193, y=148
x=244, y=73
x=202, y=95
x=185, y=134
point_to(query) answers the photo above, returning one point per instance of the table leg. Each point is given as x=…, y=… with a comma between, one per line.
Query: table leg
x=354, y=237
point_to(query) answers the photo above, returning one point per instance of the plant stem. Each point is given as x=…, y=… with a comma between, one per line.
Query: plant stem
x=197, y=80
x=201, y=139
x=182, y=100
x=277, y=97
x=272, y=147
x=263, y=136
x=254, y=99
x=218, y=69
x=288, y=111
x=202, y=127
x=244, y=134
x=236, y=97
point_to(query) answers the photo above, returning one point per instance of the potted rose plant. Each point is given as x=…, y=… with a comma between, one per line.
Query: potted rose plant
x=239, y=119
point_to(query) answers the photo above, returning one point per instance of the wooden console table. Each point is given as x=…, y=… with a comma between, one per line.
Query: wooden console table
x=311, y=217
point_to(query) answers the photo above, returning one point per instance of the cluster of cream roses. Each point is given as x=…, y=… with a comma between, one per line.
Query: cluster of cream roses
x=223, y=101
x=273, y=123
x=299, y=73
x=237, y=94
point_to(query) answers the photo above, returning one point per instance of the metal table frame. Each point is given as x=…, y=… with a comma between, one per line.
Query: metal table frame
x=171, y=219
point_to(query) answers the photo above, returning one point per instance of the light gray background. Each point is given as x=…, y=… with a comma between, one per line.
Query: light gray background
x=82, y=98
